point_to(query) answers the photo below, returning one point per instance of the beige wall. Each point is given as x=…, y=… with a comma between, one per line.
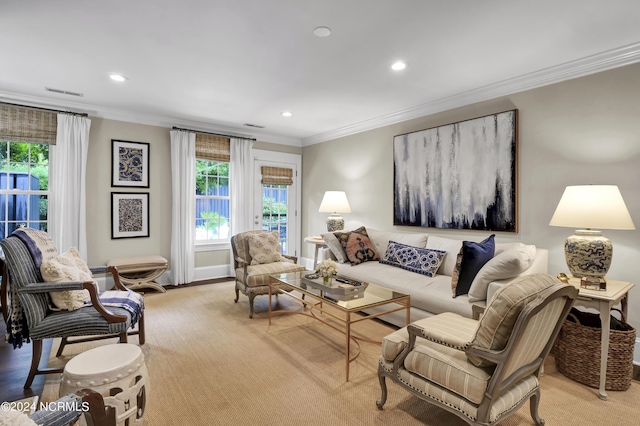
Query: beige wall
x=581, y=131
x=100, y=245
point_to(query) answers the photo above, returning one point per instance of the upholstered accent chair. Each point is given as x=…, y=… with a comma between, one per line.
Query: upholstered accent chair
x=33, y=315
x=256, y=256
x=481, y=370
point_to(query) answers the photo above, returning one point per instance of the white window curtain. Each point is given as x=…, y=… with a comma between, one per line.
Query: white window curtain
x=240, y=188
x=67, y=186
x=183, y=207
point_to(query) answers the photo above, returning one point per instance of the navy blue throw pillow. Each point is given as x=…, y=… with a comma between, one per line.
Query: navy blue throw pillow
x=470, y=260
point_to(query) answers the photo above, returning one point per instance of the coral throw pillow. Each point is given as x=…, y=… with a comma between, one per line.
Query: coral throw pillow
x=357, y=246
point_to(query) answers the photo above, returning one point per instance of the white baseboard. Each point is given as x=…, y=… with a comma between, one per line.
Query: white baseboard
x=212, y=272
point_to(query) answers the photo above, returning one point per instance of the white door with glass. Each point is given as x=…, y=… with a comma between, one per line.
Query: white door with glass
x=276, y=198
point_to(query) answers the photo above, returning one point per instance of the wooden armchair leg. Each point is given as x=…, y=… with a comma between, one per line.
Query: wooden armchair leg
x=383, y=388
x=123, y=337
x=251, y=297
x=36, y=346
x=97, y=411
x=63, y=343
x=141, y=335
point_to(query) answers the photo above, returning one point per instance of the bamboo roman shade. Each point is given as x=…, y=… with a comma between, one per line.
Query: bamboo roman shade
x=22, y=124
x=276, y=176
x=212, y=147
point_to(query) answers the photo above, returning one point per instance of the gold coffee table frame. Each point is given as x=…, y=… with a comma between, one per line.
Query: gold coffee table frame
x=373, y=296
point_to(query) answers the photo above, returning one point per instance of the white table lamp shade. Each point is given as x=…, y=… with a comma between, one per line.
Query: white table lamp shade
x=588, y=253
x=334, y=202
x=592, y=206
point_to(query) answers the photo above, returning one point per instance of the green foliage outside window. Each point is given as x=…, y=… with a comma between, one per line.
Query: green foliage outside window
x=28, y=158
x=25, y=157
x=213, y=221
x=211, y=177
x=271, y=207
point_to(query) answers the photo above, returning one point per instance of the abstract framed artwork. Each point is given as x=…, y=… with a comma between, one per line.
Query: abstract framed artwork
x=129, y=214
x=458, y=176
x=129, y=164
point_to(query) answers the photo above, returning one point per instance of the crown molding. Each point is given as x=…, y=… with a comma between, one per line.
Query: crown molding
x=140, y=118
x=611, y=59
x=615, y=58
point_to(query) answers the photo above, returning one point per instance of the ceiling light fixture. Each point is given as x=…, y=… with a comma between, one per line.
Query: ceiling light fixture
x=398, y=66
x=286, y=114
x=118, y=77
x=322, y=31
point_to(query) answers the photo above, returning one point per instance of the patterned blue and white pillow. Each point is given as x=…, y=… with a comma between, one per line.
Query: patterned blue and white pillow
x=415, y=259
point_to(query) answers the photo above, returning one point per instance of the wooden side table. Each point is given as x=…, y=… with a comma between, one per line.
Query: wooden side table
x=603, y=301
x=319, y=243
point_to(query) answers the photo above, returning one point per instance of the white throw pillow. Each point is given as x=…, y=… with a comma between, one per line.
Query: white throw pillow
x=264, y=248
x=380, y=239
x=334, y=245
x=508, y=264
x=501, y=247
x=68, y=266
x=451, y=246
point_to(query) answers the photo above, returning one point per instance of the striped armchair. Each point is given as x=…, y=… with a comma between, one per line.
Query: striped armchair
x=253, y=272
x=32, y=316
x=481, y=370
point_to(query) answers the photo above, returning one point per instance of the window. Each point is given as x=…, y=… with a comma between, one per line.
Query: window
x=24, y=186
x=274, y=211
x=212, y=201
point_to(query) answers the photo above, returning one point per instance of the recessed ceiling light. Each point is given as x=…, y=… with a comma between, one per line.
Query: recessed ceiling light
x=322, y=31
x=286, y=114
x=398, y=66
x=118, y=77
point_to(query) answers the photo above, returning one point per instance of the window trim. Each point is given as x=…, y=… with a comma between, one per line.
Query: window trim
x=209, y=245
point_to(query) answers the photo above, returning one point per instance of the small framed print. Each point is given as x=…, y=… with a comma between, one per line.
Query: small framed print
x=593, y=283
x=129, y=215
x=129, y=164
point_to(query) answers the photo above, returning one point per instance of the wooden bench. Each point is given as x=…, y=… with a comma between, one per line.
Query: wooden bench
x=140, y=271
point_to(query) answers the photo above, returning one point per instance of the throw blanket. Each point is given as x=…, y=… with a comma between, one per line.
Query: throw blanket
x=129, y=300
x=38, y=243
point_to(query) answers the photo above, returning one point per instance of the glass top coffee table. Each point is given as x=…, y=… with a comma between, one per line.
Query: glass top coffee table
x=341, y=310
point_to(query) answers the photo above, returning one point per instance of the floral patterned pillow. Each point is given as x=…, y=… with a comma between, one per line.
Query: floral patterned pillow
x=357, y=246
x=264, y=248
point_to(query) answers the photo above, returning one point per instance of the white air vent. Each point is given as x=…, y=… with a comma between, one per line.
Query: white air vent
x=253, y=125
x=63, y=92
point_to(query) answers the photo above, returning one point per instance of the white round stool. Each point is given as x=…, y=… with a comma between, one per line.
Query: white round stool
x=118, y=372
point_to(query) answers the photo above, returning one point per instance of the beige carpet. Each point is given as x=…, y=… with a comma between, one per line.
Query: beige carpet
x=210, y=364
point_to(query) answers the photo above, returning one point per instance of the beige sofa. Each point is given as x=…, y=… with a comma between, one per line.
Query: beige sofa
x=433, y=295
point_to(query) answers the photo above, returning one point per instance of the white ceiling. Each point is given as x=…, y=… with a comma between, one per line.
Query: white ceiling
x=215, y=65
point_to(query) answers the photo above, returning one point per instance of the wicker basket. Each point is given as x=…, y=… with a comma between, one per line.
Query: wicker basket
x=577, y=350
